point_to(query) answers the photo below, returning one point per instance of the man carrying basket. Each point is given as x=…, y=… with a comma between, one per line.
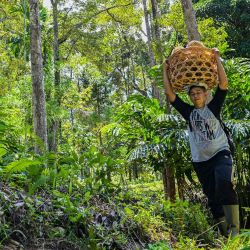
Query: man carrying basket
x=211, y=156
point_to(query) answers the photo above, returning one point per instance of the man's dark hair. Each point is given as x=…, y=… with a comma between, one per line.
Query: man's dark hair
x=201, y=87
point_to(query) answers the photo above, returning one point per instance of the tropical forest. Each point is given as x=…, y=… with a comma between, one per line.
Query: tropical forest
x=93, y=155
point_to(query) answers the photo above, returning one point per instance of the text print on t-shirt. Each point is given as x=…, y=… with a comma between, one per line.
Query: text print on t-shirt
x=203, y=125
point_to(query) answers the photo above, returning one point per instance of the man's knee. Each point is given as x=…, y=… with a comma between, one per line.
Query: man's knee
x=225, y=193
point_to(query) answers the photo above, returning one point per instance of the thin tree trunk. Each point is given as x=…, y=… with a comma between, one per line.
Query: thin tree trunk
x=127, y=80
x=38, y=93
x=168, y=179
x=55, y=123
x=148, y=32
x=164, y=180
x=157, y=31
x=190, y=20
x=135, y=172
x=129, y=172
x=157, y=39
x=155, y=90
x=56, y=42
x=72, y=117
x=181, y=183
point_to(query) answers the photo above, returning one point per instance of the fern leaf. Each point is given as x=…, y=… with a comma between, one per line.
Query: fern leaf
x=20, y=166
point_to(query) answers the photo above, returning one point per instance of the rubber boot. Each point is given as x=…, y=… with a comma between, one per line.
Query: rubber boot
x=222, y=225
x=232, y=219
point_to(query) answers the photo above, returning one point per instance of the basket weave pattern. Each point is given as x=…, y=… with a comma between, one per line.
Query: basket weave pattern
x=190, y=65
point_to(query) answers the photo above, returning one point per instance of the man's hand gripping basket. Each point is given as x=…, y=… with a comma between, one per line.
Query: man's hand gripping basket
x=193, y=64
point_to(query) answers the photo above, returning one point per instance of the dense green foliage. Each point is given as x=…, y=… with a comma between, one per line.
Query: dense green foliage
x=235, y=21
x=102, y=186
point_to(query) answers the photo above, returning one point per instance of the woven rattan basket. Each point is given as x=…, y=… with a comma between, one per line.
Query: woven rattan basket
x=193, y=64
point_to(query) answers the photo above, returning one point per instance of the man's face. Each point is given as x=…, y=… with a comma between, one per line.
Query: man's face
x=198, y=96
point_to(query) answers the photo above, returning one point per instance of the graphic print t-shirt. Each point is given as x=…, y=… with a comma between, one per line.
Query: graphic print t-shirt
x=206, y=136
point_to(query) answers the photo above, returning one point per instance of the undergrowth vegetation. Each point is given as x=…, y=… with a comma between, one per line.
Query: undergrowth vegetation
x=136, y=218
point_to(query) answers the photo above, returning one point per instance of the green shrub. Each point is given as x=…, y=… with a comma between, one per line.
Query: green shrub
x=188, y=220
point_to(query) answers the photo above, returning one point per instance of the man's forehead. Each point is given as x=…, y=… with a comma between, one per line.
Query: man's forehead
x=197, y=88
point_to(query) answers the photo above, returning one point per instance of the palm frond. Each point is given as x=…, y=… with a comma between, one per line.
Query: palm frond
x=239, y=129
x=245, y=62
x=112, y=128
x=143, y=151
x=170, y=118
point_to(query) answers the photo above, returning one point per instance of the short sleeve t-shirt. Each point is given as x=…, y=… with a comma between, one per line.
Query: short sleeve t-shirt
x=206, y=136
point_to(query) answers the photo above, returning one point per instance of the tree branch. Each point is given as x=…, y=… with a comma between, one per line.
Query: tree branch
x=78, y=25
x=113, y=17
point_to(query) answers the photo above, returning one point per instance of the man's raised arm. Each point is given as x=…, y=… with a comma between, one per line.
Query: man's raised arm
x=223, y=82
x=167, y=85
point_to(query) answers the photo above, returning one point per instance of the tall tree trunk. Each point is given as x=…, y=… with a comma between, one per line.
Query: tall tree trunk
x=190, y=20
x=148, y=33
x=38, y=94
x=157, y=31
x=167, y=174
x=157, y=40
x=55, y=123
x=155, y=90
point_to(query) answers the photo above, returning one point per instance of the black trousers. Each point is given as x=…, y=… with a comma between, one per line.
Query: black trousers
x=215, y=176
